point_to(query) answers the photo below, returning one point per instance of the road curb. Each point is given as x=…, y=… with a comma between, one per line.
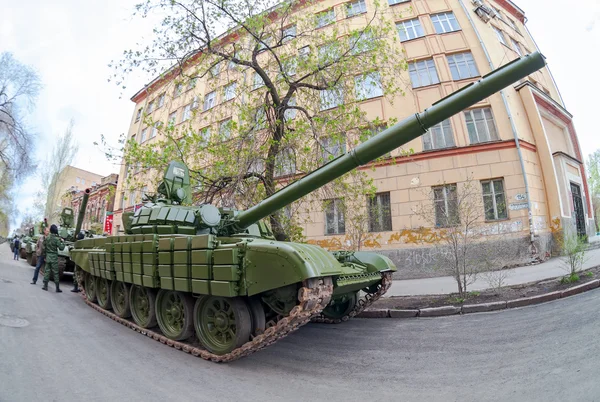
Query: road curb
x=479, y=308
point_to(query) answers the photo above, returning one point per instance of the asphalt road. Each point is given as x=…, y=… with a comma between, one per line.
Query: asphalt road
x=67, y=351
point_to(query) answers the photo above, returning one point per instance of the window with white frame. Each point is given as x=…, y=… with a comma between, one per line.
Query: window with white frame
x=494, y=200
x=410, y=29
x=394, y=2
x=216, y=69
x=380, y=213
x=229, y=92
x=304, y=51
x=356, y=7
x=289, y=33
x=144, y=133
x=178, y=89
x=258, y=81
x=329, y=53
x=332, y=147
x=334, y=217
x=150, y=107
x=446, y=205
x=139, y=114
x=209, y=100
x=513, y=25
x=161, y=100
x=260, y=118
x=368, y=86
x=192, y=83
x=331, y=98
x=289, y=66
x=480, y=125
x=462, y=66
x=498, y=13
x=172, y=118
x=155, y=129
x=516, y=46
x=205, y=134
x=225, y=128
x=423, y=73
x=187, y=112
x=285, y=163
x=325, y=18
x=445, y=22
x=364, y=42
x=290, y=114
x=500, y=35
x=439, y=136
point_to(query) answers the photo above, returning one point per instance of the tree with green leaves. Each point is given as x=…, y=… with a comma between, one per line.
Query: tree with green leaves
x=291, y=83
x=593, y=171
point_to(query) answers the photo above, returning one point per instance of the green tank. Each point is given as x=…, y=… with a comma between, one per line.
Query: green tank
x=219, y=276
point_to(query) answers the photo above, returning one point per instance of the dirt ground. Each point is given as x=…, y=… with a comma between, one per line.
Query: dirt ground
x=485, y=296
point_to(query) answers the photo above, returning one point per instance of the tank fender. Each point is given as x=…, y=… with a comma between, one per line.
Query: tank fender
x=271, y=264
x=373, y=261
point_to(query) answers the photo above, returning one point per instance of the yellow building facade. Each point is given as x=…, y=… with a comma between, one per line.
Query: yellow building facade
x=519, y=145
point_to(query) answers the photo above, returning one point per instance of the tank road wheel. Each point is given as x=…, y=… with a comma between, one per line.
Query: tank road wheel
x=257, y=313
x=341, y=306
x=174, y=314
x=103, y=293
x=90, y=287
x=62, y=264
x=222, y=324
x=119, y=298
x=22, y=253
x=33, y=260
x=141, y=302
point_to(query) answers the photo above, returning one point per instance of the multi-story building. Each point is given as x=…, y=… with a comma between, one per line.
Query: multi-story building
x=520, y=145
x=100, y=205
x=68, y=180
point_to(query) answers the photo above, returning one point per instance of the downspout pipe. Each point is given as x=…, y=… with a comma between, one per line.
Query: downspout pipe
x=512, y=126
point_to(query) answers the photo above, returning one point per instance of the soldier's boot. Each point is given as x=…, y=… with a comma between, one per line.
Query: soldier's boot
x=45, y=287
x=58, y=288
x=75, y=288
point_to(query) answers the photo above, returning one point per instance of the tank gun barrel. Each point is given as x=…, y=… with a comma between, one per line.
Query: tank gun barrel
x=84, y=201
x=393, y=137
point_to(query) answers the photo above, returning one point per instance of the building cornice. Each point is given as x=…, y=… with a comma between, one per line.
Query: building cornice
x=561, y=153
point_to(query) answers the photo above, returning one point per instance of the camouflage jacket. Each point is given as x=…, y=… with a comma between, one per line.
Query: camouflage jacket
x=52, y=244
x=39, y=250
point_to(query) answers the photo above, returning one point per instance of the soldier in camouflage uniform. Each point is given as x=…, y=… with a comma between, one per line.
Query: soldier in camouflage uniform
x=52, y=244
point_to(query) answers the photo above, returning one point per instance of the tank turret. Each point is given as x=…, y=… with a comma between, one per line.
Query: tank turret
x=220, y=274
x=81, y=215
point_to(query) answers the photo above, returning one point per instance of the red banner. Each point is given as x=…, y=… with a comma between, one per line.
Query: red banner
x=108, y=223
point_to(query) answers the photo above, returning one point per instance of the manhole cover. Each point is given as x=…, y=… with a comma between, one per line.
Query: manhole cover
x=15, y=322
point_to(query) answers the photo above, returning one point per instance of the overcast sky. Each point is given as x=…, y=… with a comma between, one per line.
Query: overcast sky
x=71, y=42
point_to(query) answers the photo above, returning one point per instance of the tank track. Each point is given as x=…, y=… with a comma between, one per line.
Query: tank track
x=313, y=298
x=362, y=303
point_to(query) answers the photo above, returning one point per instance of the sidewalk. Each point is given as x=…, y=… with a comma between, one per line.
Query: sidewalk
x=446, y=284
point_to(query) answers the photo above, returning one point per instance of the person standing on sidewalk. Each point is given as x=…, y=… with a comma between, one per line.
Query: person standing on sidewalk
x=16, y=248
x=52, y=244
x=41, y=255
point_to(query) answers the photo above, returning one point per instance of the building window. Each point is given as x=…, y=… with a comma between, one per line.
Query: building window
x=216, y=69
x=172, y=118
x=394, y=2
x=138, y=116
x=480, y=125
x=289, y=67
x=290, y=114
x=260, y=118
x=285, y=163
x=363, y=43
x=332, y=147
x=192, y=83
x=258, y=81
x=187, y=113
x=516, y=46
x=355, y=8
x=205, y=134
x=331, y=98
x=209, y=100
x=368, y=86
x=132, y=198
x=325, y=18
x=161, y=100
x=178, y=89
x=500, y=35
x=288, y=34
x=513, y=25
x=334, y=217
x=498, y=13
x=154, y=129
x=380, y=213
x=439, y=136
x=144, y=131
x=446, y=205
x=423, y=73
x=150, y=107
x=494, y=200
x=462, y=66
x=410, y=29
x=225, y=129
x=229, y=92
x=445, y=22
x=303, y=52
x=329, y=53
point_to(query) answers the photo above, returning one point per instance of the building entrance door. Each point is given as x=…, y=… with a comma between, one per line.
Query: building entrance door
x=578, y=206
